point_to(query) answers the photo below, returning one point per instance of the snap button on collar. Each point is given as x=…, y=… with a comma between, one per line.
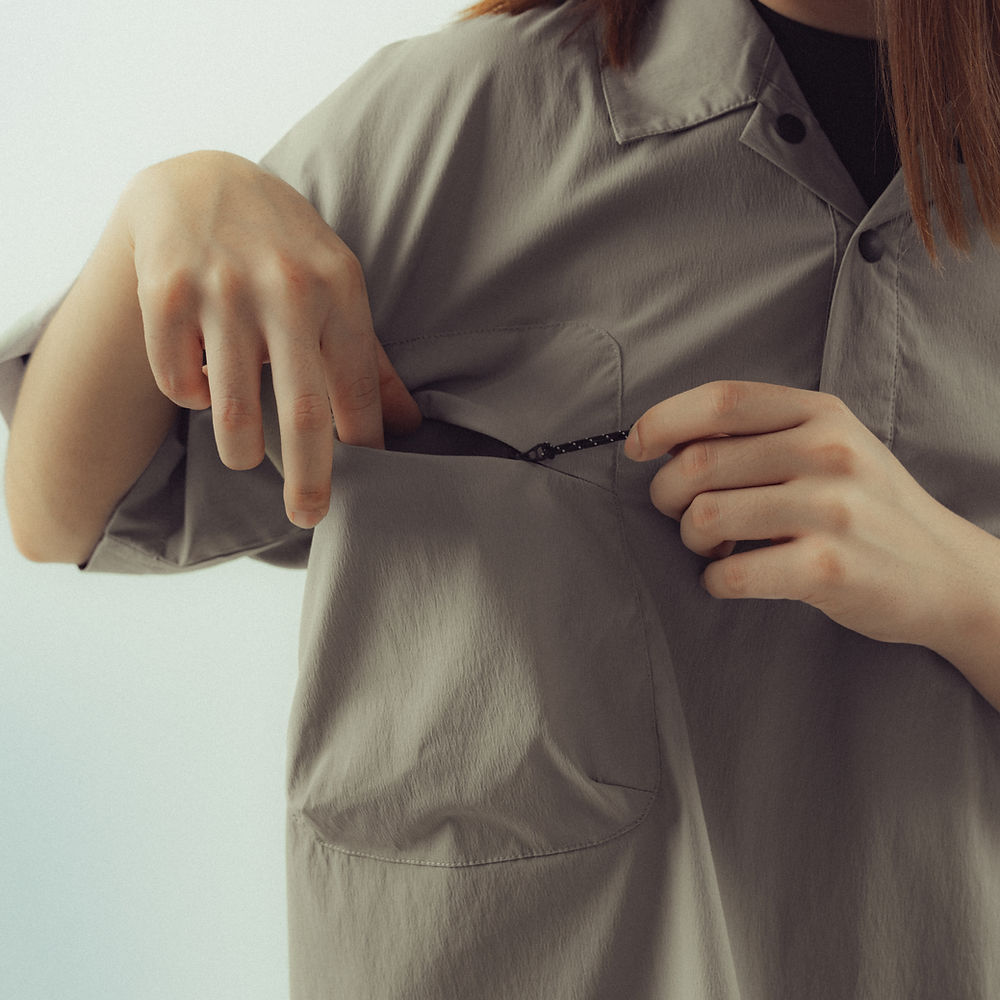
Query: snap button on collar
x=871, y=246
x=791, y=128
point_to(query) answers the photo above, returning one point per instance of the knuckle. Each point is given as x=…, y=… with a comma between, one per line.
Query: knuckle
x=696, y=460
x=289, y=277
x=224, y=282
x=234, y=414
x=321, y=278
x=828, y=569
x=344, y=271
x=310, y=412
x=167, y=295
x=733, y=577
x=836, y=458
x=831, y=404
x=704, y=513
x=726, y=397
x=358, y=393
x=837, y=514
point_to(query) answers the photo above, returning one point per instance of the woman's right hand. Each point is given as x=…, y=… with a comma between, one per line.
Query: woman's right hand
x=233, y=261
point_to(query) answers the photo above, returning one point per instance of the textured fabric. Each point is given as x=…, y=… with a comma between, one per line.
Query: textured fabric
x=529, y=757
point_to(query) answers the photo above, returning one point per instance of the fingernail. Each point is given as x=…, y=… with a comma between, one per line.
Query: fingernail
x=633, y=446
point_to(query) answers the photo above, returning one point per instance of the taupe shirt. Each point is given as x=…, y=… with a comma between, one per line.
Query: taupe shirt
x=529, y=756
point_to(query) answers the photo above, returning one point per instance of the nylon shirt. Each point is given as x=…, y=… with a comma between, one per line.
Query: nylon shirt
x=529, y=756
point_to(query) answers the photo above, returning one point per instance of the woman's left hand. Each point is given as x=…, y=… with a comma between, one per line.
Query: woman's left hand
x=853, y=533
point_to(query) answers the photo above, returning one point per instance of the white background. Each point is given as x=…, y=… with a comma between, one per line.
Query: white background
x=142, y=720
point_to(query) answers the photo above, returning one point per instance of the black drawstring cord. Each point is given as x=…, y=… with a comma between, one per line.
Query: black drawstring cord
x=545, y=450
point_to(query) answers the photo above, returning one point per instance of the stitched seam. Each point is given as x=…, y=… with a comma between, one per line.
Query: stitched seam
x=545, y=467
x=834, y=269
x=765, y=67
x=654, y=714
x=738, y=105
x=303, y=820
x=157, y=560
x=628, y=788
x=620, y=392
x=793, y=97
x=602, y=72
x=626, y=553
x=512, y=328
x=897, y=359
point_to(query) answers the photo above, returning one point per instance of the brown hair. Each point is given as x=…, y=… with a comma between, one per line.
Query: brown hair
x=941, y=68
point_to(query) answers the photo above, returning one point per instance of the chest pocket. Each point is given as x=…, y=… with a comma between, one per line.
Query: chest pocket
x=475, y=685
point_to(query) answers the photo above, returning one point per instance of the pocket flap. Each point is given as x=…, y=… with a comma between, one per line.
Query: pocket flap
x=519, y=386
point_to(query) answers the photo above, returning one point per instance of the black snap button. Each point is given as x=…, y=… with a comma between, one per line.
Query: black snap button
x=871, y=246
x=791, y=128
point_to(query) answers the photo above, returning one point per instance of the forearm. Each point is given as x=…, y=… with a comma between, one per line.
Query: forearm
x=977, y=655
x=89, y=416
x=969, y=635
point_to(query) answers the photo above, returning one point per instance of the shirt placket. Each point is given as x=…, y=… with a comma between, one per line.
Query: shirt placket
x=861, y=341
x=861, y=351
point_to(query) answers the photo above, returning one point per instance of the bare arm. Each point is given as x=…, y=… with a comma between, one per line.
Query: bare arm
x=202, y=251
x=89, y=417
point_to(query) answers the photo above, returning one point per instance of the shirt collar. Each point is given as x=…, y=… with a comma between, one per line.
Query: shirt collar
x=696, y=60
x=700, y=59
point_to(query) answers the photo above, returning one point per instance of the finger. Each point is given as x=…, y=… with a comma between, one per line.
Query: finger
x=801, y=570
x=365, y=390
x=766, y=513
x=349, y=352
x=760, y=573
x=174, y=340
x=306, y=428
x=233, y=351
x=723, y=463
x=727, y=407
x=400, y=412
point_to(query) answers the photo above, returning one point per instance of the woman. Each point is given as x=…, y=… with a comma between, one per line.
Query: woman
x=529, y=754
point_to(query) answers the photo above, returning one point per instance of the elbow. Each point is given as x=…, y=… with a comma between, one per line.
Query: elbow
x=50, y=547
x=52, y=520
x=44, y=537
x=32, y=552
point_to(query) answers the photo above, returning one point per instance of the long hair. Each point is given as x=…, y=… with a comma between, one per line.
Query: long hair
x=940, y=70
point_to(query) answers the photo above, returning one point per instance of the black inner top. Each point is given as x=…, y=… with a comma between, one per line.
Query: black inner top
x=839, y=77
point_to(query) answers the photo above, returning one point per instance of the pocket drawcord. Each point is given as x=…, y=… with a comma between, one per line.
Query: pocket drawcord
x=545, y=450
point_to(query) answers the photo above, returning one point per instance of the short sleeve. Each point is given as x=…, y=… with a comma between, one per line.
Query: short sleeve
x=186, y=510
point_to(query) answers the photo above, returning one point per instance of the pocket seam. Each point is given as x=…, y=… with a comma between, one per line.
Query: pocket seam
x=511, y=328
x=298, y=816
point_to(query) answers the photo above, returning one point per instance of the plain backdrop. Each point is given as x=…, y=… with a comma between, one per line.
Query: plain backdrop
x=142, y=719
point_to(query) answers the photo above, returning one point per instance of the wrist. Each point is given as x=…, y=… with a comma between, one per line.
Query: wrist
x=968, y=635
